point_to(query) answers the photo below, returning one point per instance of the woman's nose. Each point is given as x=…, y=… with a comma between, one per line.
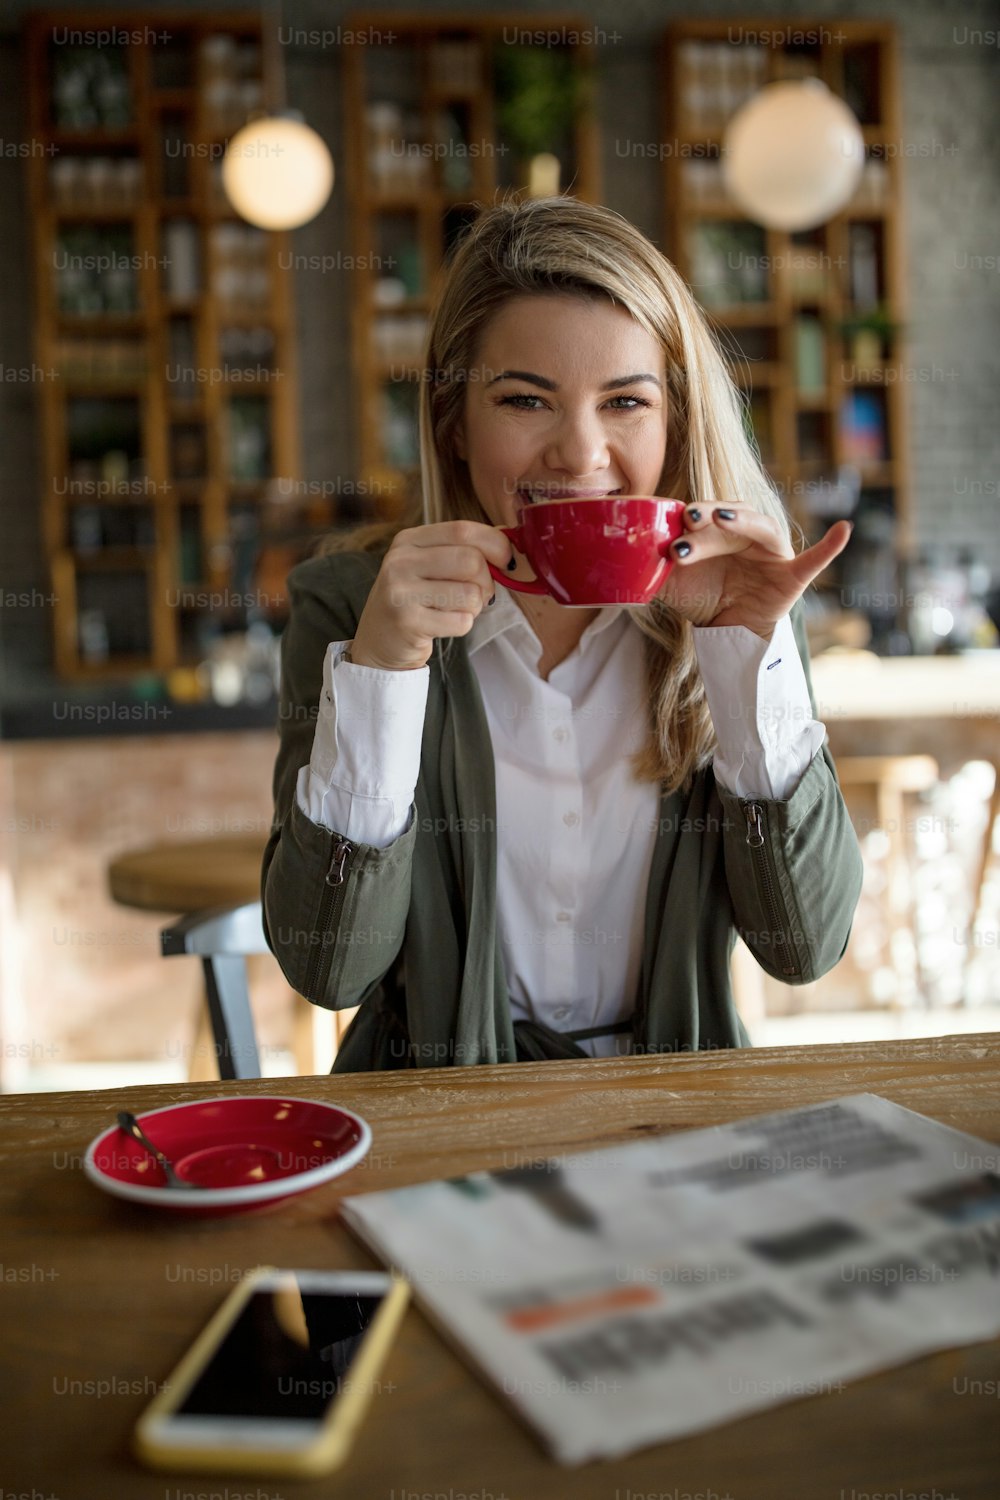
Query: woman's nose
x=579, y=445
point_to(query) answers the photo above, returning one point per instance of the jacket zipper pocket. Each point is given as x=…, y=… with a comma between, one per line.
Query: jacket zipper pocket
x=330, y=907
x=756, y=840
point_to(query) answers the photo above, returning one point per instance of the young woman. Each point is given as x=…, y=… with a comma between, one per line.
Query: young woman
x=508, y=829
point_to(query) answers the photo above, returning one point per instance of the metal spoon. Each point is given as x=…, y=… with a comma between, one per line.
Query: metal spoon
x=131, y=1126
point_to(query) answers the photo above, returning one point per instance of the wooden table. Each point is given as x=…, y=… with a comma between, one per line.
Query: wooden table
x=945, y=706
x=97, y=1290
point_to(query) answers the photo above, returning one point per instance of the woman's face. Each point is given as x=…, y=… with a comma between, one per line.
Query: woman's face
x=567, y=400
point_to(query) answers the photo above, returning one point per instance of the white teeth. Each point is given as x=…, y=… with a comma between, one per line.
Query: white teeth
x=532, y=497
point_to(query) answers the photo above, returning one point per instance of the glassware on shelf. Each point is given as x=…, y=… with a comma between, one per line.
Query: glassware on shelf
x=810, y=355
x=389, y=291
x=84, y=362
x=246, y=349
x=95, y=270
x=874, y=187
x=182, y=271
x=232, y=82
x=864, y=268
x=86, y=533
x=249, y=438
x=400, y=338
x=182, y=368
x=89, y=87
x=808, y=274
x=113, y=614
x=729, y=263
x=99, y=183
x=703, y=181
x=715, y=79
x=240, y=265
x=92, y=636
x=398, y=161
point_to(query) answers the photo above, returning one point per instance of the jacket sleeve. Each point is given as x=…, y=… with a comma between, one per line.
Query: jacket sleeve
x=334, y=911
x=794, y=867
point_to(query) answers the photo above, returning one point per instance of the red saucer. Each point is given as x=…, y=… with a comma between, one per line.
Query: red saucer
x=240, y=1152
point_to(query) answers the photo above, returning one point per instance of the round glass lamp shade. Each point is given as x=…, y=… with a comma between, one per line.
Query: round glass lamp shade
x=793, y=155
x=277, y=172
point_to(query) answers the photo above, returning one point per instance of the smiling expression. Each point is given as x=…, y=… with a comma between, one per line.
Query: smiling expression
x=570, y=404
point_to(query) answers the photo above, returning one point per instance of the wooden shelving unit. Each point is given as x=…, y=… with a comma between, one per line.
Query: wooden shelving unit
x=825, y=399
x=167, y=324
x=425, y=142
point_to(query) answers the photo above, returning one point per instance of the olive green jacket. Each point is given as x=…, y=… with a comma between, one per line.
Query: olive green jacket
x=409, y=932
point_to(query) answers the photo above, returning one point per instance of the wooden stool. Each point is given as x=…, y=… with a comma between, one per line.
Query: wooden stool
x=196, y=874
x=889, y=780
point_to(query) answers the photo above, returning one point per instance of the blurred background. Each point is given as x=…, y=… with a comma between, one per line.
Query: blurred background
x=221, y=231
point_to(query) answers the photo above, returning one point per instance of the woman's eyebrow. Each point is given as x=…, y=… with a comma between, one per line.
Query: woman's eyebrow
x=546, y=385
x=550, y=385
x=614, y=385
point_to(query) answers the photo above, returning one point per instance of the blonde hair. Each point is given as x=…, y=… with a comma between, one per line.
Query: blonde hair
x=534, y=246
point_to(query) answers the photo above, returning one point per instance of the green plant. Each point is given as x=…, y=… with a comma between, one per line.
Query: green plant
x=872, y=320
x=538, y=93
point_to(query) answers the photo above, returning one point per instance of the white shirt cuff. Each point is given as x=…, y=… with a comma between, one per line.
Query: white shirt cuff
x=365, y=756
x=759, y=702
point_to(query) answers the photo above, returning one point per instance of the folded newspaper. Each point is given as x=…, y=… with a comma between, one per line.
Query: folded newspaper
x=635, y=1294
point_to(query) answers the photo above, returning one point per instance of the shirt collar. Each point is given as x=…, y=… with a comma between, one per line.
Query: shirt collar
x=505, y=615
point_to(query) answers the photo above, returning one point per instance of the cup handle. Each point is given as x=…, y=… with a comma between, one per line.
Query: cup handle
x=520, y=586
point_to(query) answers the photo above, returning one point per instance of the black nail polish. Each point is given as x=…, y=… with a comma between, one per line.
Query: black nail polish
x=682, y=549
x=512, y=565
x=694, y=515
x=493, y=600
x=725, y=515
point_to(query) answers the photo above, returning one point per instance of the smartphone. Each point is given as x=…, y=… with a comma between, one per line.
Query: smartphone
x=281, y=1376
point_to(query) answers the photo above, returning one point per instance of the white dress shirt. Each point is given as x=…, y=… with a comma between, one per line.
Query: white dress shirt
x=575, y=829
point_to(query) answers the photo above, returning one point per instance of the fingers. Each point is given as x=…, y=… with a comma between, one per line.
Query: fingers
x=438, y=590
x=811, y=563
x=487, y=540
x=714, y=530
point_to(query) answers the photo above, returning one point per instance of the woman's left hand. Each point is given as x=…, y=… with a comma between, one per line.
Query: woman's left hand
x=735, y=567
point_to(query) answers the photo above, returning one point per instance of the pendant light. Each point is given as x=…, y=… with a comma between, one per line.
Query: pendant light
x=277, y=171
x=792, y=156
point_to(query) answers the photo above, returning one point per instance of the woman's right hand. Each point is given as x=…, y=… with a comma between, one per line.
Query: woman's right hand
x=433, y=582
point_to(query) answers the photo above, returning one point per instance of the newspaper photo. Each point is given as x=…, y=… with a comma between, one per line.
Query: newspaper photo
x=622, y=1297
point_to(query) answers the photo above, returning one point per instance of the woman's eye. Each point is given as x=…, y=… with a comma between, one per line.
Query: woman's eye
x=635, y=401
x=617, y=403
x=516, y=400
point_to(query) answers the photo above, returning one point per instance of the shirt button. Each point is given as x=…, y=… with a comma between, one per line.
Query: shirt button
x=561, y=1012
x=560, y=734
x=571, y=819
x=563, y=916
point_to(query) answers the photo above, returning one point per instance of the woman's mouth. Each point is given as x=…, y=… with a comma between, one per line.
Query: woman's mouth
x=530, y=494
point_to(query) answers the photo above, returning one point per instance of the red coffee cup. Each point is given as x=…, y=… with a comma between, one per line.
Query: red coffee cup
x=585, y=553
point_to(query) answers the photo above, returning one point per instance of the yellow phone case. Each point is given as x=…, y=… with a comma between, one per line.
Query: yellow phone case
x=331, y=1444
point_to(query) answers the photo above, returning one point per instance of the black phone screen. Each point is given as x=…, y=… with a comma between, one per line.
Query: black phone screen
x=285, y=1357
